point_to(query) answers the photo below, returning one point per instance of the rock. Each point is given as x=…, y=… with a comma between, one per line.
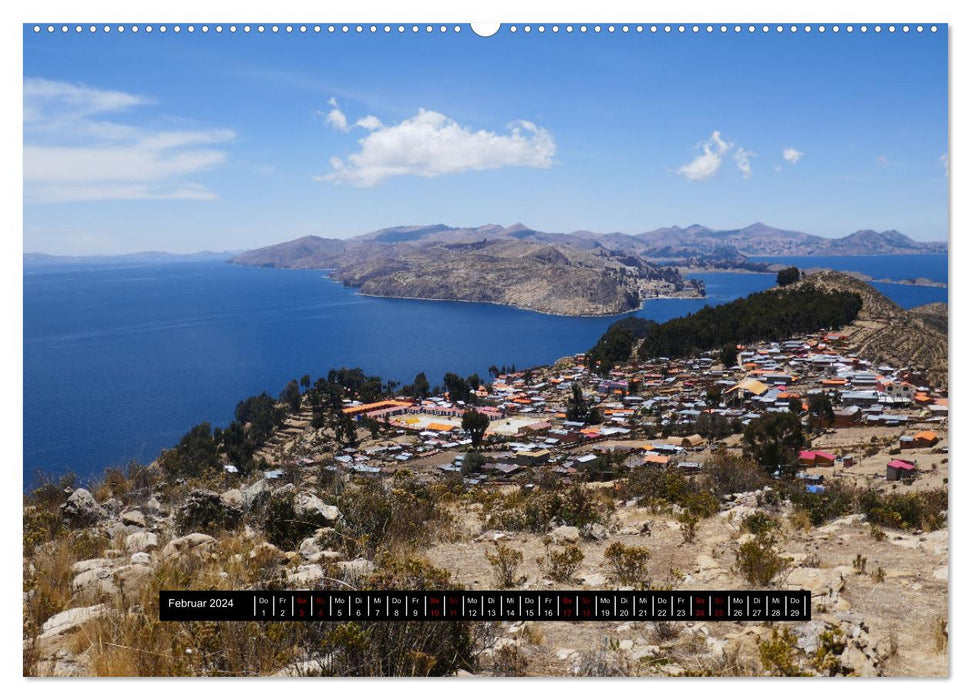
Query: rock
x=82, y=509
x=284, y=491
x=254, y=494
x=594, y=531
x=564, y=534
x=141, y=558
x=306, y=574
x=593, y=579
x=89, y=565
x=152, y=506
x=823, y=583
x=133, y=517
x=564, y=654
x=70, y=620
x=626, y=644
x=232, y=498
x=94, y=582
x=307, y=504
x=130, y=578
x=112, y=506
x=195, y=544
x=356, y=568
x=141, y=542
x=807, y=635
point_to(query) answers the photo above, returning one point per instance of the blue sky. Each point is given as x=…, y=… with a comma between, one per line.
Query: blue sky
x=232, y=141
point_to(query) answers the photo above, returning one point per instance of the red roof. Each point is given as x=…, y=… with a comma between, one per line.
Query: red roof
x=900, y=464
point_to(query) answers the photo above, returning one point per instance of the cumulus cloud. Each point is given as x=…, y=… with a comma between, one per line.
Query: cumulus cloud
x=791, y=155
x=335, y=117
x=741, y=157
x=883, y=161
x=74, y=149
x=706, y=163
x=431, y=144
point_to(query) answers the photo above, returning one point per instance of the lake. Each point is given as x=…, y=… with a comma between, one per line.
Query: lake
x=120, y=360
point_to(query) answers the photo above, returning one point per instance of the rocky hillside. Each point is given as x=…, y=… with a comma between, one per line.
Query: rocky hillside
x=884, y=332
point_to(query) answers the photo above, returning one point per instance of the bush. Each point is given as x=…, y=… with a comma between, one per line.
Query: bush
x=759, y=561
x=283, y=527
x=727, y=473
x=505, y=565
x=626, y=565
x=759, y=523
x=509, y=661
x=778, y=654
x=204, y=511
x=532, y=511
x=562, y=565
x=380, y=515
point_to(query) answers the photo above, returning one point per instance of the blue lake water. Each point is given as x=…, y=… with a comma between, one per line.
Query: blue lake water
x=120, y=360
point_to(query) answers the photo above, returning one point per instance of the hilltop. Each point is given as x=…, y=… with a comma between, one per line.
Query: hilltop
x=887, y=333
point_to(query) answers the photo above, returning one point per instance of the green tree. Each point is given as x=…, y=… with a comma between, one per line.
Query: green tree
x=728, y=356
x=291, y=396
x=576, y=406
x=821, y=412
x=774, y=439
x=787, y=276
x=419, y=388
x=475, y=424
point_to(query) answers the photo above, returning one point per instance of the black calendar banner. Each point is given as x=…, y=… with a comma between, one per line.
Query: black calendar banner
x=561, y=606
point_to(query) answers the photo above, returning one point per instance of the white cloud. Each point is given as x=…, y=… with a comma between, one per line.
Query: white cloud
x=791, y=155
x=72, y=153
x=431, y=144
x=335, y=117
x=370, y=122
x=706, y=164
x=943, y=160
x=882, y=161
x=741, y=157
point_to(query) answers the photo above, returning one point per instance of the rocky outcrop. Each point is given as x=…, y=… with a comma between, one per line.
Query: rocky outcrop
x=81, y=509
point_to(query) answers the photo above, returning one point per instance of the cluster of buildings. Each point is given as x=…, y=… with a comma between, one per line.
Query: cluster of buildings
x=654, y=413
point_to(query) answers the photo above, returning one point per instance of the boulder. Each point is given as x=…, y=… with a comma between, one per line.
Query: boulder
x=92, y=583
x=267, y=554
x=307, y=504
x=130, y=578
x=195, y=544
x=564, y=534
x=141, y=542
x=81, y=509
x=133, y=517
x=594, y=531
x=70, y=620
x=232, y=498
x=141, y=558
x=254, y=494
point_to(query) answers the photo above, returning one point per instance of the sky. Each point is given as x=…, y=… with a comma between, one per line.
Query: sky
x=187, y=142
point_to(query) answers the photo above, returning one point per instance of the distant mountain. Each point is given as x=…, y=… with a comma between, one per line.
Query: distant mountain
x=578, y=273
x=147, y=256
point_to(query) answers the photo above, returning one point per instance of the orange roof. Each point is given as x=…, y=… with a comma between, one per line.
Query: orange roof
x=366, y=407
x=655, y=459
x=926, y=435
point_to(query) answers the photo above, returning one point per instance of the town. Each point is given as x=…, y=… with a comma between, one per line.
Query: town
x=867, y=423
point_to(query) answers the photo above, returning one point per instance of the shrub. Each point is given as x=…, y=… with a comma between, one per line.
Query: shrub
x=689, y=526
x=283, y=527
x=859, y=564
x=508, y=661
x=505, y=564
x=204, y=511
x=759, y=561
x=778, y=654
x=728, y=473
x=758, y=523
x=626, y=565
x=562, y=565
x=830, y=646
